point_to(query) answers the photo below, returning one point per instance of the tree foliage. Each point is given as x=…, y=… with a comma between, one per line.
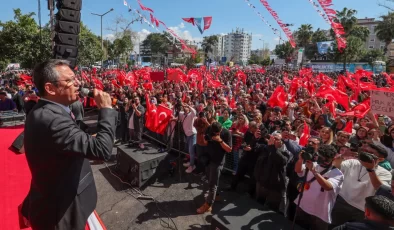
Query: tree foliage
x=209, y=43
x=89, y=47
x=355, y=36
x=157, y=43
x=284, y=51
x=20, y=41
x=373, y=55
x=304, y=35
x=385, y=29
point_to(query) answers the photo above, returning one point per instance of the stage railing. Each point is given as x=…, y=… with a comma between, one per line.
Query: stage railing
x=174, y=140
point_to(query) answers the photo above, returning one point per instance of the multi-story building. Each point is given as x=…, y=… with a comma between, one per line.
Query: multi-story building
x=218, y=50
x=237, y=46
x=372, y=42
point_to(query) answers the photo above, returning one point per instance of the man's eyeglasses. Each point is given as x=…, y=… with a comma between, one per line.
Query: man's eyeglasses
x=68, y=81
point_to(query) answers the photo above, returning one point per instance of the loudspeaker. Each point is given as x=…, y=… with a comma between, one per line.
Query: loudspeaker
x=67, y=29
x=69, y=4
x=17, y=146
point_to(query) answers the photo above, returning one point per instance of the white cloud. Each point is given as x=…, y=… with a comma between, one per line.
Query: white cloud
x=223, y=34
x=276, y=39
x=110, y=37
x=185, y=34
x=141, y=36
x=182, y=25
x=258, y=35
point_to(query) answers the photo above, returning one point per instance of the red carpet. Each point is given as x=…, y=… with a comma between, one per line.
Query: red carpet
x=14, y=179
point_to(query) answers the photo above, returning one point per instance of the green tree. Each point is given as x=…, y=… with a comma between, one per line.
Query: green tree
x=89, y=47
x=284, y=51
x=355, y=36
x=266, y=61
x=157, y=43
x=373, y=55
x=208, y=44
x=354, y=51
x=254, y=59
x=385, y=30
x=319, y=36
x=20, y=41
x=122, y=46
x=304, y=35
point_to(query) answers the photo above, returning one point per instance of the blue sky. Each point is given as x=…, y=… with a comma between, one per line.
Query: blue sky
x=227, y=15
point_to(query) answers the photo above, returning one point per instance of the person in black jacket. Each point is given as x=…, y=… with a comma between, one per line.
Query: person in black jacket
x=62, y=193
x=17, y=98
x=270, y=172
x=379, y=215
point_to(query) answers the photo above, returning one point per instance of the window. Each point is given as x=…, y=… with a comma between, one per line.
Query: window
x=371, y=47
x=382, y=47
x=372, y=40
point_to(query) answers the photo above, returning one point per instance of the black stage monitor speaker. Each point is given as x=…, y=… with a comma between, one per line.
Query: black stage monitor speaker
x=137, y=166
x=247, y=213
x=17, y=145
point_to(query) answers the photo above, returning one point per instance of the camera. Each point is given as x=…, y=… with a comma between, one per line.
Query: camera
x=367, y=157
x=202, y=114
x=308, y=153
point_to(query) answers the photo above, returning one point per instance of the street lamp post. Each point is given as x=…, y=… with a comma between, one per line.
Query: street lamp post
x=263, y=47
x=101, y=17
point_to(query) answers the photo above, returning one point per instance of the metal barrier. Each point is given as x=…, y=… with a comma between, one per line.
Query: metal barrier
x=174, y=140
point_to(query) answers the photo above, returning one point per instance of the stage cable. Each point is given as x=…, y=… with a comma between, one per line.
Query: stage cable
x=141, y=194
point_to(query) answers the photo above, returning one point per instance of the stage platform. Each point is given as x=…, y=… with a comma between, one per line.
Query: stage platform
x=178, y=196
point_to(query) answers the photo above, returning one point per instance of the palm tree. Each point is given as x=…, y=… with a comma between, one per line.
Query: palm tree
x=304, y=35
x=347, y=18
x=319, y=36
x=385, y=30
x=208, y=43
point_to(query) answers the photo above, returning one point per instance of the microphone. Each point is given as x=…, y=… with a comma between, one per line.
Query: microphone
x=86, y=92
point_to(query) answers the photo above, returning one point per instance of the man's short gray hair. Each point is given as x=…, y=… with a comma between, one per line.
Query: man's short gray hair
x=45, y=72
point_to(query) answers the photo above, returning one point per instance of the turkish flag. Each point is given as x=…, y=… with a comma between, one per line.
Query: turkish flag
x=360, y=110
x=278, y=98
x=150, y=115
x=189, y=20
x=305, y=135
x=164, y=115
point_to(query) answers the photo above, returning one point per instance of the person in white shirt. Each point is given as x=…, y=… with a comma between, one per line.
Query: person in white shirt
x=362, y=179
x=323, y=183
x=187, y=117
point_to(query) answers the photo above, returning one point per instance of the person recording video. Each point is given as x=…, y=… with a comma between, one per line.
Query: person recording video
x=363, y=176
x=63, y=193
x=136, y=122
x=322, y=183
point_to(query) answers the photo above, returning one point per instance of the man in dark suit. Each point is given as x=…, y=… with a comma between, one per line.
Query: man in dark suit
x=17, y=98
x=62, y=192
x=136, y=121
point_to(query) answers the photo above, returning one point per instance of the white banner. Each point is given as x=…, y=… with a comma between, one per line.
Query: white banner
x=382, y=102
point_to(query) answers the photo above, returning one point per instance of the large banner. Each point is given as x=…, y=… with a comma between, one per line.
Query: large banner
x=324, y=47
x=324, y=67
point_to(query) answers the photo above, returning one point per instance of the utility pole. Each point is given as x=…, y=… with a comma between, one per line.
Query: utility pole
x=101, y=17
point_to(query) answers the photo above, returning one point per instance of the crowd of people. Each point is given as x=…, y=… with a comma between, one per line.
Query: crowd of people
x=307, y=154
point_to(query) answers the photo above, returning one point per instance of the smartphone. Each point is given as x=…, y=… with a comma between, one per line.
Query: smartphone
x=292, y=137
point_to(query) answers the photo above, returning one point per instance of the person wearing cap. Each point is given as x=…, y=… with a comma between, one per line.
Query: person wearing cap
x=379, y=214
x=362, y=179
x=6, y=103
